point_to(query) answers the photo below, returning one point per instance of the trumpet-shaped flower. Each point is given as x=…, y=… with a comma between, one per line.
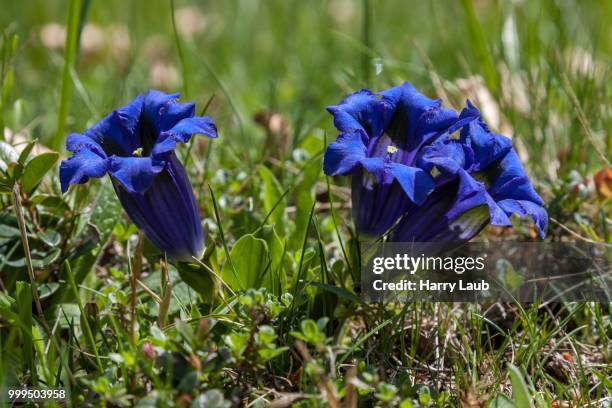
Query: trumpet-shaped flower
x=479, y=180
x=382, y=136
x=135, y=145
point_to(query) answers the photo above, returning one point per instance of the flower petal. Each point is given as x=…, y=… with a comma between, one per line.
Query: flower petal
x=136, y=174
x=512, y=182
x=83, y=165
x=128, y=118
x=457, y=211
x=465, y=227
x=78, y=141
x=166, y=143
x=473, y=193
x=468, y=114
x=344, y=154
x=375, y=166
x=118, y=132
x=155, y=104
x=523, y=208
x=362, y=110
x=376, y=206
x=488, y=147
x=515, y=193
x=167, y=213
x=416, y=183
x=202, y=125
x=172, y=113
x=408, y=105
x=447, y=156
x=181, y=132
x=431, y=123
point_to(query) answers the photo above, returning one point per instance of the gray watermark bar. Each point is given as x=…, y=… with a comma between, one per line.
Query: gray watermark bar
x=486, y=272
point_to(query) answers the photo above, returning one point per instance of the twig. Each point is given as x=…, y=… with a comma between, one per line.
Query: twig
x=322, y=207
x=350, y=392
x=577, y=235
x=147, y=289
x=28, y=256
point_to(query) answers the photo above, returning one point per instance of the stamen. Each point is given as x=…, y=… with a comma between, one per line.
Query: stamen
x=391, y=149
x=137, y=152
x=434, y=172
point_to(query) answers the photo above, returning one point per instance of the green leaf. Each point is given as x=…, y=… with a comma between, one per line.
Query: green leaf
x=276, y=278
x=310, y=332
x=501, y=401
x=8, y=226
x=237, y=342
x=36, y=169
x=266, y=334
x=341, y=292
x=23, y=156
x=50, y=237
x=272, y=194
x=6, y=185
x=407, y=403
x=197, y=278
x=310, y=328
x=107, y=211
x=14, y=170
x=269, y=354
x=5, y=302
x=47, y=289
x=37, y=262
x=8, y=155
x=51, y=203
x=251, y=258
x=386, y=392
x=520, y=392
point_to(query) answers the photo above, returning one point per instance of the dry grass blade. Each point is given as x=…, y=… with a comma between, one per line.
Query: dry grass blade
x=287, y=400
x=323, y=383
x=350, y=393
x=28, y=257
x=166, y=296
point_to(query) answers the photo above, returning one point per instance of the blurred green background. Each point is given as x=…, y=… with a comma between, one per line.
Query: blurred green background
x=521, y=61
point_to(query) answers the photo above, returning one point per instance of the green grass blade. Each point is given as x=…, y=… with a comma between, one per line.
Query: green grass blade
x=359, y=342
x=70, y=53
x=24, y=303
x=179, y=49
x=520, y=392
x=88, y=331
x=481, y=46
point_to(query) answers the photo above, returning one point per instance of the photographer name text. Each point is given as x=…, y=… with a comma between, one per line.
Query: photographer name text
x=430, y=286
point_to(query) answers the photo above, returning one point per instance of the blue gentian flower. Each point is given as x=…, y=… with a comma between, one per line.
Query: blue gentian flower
x=135, y=146
x=479, y=180
x=382, y=135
